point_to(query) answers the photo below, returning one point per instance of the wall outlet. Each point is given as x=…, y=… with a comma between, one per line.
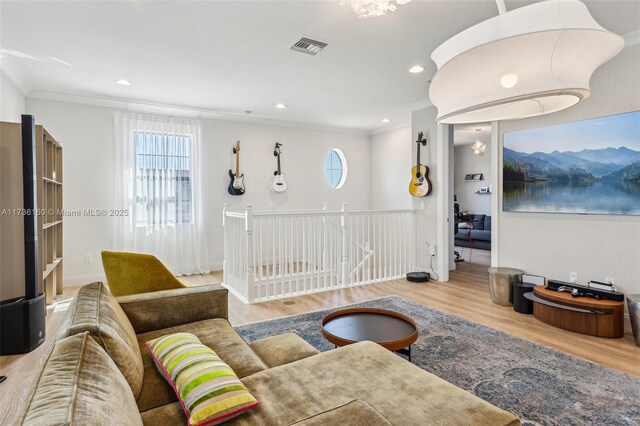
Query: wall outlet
x=88, y=259
x=610, y=280
x=573, y=277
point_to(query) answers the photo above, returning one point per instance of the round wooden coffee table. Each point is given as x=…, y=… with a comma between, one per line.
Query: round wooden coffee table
x=391, y=330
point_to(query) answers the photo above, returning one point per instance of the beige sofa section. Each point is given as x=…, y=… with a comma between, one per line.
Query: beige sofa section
x=80, y=385
x=95, y=310
x=361, y=384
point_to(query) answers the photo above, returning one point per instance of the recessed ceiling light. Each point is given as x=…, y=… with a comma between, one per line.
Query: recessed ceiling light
x=123, y=82
x=416, y=69
x=281, y=106
x=509, y=80
x=385, y=120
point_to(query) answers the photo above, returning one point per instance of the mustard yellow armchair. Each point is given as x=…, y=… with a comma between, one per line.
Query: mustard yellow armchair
x=133, y=273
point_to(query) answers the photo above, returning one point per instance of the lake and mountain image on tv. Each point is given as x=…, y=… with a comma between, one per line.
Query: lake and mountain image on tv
x=590, y=167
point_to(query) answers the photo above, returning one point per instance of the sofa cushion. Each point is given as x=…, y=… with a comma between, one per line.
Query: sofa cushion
x=353, y=413
x=487, y=223
x=478, y=221
x=282, y=349
x=208, y=389
x=215, y=333
x=168, y=414
x=80, y=385
x=169, y=308
x=463, y=234
x=95, y=310
x=481, y=235
x=401, y=392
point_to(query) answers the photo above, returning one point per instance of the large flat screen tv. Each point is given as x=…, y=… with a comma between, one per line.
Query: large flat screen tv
x=588, y=167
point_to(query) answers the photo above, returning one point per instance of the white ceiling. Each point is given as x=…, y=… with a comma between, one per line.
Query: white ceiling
x=232, y=56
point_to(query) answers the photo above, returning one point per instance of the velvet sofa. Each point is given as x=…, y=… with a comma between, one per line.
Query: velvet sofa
x=99, y=371
x=476, y=234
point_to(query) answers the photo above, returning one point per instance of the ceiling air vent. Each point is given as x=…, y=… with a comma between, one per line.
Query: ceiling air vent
x=308, y=46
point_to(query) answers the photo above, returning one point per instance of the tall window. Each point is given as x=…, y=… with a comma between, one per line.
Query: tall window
x=163, y=179
x=158, y=187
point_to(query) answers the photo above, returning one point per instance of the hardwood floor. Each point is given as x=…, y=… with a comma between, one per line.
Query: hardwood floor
x=214, y=277
x=465, y=295
x=474, y=256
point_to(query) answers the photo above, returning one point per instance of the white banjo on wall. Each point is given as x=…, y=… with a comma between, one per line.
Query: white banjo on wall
x=278, y=182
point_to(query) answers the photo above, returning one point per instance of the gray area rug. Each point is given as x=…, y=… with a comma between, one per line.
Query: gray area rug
x=541, y=385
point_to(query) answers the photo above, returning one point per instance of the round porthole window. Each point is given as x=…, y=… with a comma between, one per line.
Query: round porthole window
x=335, y=168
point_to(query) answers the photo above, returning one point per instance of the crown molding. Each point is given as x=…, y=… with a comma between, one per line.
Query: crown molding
x=391, y=128
x=13, y=75
x=405, y=122
x=185, y=112
x=421, y=104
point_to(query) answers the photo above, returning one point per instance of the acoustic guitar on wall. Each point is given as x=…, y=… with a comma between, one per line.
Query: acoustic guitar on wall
x=278, y=182
x=420, y=185
x=236, y=186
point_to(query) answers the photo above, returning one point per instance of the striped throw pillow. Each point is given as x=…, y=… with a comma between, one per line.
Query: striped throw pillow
x=208, y=389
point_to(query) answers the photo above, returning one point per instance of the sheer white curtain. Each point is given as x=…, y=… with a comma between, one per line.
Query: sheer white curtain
x=159, y=185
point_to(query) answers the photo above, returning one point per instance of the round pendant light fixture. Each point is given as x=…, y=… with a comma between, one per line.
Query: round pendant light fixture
x=478, y=147
x=534, y=60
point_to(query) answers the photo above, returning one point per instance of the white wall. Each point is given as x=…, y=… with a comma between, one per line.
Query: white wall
x=465, y=162
x=86, y=133
x=12, y=101
x=392, y=156
x=424, y=121
x=391, y=162
x=593, y=246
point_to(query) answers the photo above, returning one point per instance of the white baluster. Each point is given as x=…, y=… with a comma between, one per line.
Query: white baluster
x=225, y=245
x=290, y=254
x=318, y=248
x=345, y=242
x=305, y=253
x=298, y=240
x=259, y=222
x=274, y=254
x=394, y=223
x=250, y=276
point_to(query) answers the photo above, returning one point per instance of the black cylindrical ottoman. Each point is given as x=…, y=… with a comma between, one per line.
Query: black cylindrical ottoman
x=520, y=303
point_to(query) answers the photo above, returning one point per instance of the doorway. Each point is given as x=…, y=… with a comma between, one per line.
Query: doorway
x=472, y=176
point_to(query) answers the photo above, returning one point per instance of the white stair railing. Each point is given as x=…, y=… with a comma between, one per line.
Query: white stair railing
x=391, y=237
x=275, y=254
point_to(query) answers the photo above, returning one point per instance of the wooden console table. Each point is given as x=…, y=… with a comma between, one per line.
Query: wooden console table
x=586, y=315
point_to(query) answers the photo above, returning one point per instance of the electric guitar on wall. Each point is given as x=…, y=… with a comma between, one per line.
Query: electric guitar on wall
x=278, y=182
x=236, y=186
x=420, y=185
